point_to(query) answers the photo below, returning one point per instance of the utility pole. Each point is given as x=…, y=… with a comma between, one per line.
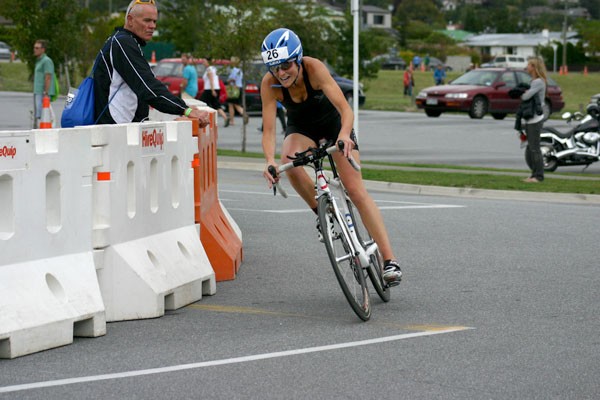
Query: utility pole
x=564, y=37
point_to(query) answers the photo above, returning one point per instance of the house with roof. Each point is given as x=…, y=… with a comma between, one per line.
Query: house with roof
x=523, y=44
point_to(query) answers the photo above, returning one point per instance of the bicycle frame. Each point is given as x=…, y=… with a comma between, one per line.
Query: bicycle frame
x=324, y=187
x=356, y=250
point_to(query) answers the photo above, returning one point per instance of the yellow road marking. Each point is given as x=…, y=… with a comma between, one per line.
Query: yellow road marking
x=258, y=311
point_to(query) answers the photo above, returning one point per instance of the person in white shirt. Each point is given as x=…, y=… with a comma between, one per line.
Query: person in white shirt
x=212, y=89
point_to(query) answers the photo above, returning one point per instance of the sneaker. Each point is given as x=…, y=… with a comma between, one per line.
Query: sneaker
x=392, y=274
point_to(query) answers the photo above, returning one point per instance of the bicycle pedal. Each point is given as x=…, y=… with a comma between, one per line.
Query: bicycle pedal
x=392, y=284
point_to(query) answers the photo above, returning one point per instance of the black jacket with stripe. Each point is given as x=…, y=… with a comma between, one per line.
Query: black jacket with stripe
x=123, y=77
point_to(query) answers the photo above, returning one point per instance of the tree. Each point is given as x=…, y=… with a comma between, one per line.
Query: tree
x=371, y=42
x=590, y=33
x=58, y=21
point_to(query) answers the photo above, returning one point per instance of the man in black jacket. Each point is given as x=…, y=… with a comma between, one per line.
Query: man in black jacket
x=123, y=79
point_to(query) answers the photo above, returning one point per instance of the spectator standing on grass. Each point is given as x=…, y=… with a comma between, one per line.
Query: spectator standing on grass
x=124, y=85
x=43, y=78
x=416, y=61
x=408, y=82
x=439, y=75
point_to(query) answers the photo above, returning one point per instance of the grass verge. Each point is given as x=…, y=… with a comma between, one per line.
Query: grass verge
x=470, y=177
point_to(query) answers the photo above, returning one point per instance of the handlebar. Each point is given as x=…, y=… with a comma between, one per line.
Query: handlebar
x=306, y=157
x=276, y=186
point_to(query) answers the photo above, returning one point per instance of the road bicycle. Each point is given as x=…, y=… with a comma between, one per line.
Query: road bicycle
x=354, y=255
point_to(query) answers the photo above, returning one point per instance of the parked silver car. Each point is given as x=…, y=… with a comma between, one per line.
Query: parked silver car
x=4, y=51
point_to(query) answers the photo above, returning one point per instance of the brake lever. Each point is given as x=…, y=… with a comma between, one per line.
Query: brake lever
x=276, y=186
x=354, y=164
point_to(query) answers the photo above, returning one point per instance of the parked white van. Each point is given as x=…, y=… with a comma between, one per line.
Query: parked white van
x=510, y=61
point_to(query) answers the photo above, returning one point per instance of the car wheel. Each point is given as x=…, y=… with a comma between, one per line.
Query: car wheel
x=433, y=113
x=478, y=107
x=499, y=115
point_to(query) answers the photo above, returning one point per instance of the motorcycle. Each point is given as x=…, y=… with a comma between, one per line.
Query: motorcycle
x=580, y=145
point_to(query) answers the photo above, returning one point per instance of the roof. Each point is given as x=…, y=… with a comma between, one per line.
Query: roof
x=518, y=39
x=374, y=9
x=457, y=34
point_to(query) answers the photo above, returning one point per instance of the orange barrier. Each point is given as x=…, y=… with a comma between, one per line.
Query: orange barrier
x=46, y=120
x=221, y=243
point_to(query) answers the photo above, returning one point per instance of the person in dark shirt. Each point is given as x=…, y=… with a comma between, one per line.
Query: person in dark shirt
x=123, y=79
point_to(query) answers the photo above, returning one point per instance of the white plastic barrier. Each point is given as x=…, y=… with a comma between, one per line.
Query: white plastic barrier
x=148, y=252
x=48, y=286
x=156, y=115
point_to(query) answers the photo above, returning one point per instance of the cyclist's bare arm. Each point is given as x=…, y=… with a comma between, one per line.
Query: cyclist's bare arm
x=269, y=112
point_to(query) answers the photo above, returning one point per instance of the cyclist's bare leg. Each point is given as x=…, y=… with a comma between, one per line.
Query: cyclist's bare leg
x=369, y=212
x=302, y=183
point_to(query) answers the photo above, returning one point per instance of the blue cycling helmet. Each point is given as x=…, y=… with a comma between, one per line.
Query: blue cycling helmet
x=280, y=46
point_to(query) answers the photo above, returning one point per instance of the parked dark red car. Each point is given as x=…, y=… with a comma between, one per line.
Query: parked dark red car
x=482, y=91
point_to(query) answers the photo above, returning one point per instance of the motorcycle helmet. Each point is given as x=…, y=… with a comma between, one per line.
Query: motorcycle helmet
x=280, y=46
x=593, y=110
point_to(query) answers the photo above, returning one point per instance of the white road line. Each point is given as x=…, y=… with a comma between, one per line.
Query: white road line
x=304, y=210
x=409, y=205
x=227, y=361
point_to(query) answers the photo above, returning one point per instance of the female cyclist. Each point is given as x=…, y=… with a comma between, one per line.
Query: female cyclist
x=317, y=109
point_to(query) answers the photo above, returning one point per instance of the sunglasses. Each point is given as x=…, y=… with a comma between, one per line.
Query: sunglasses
x=139, y=2
x=283, y=66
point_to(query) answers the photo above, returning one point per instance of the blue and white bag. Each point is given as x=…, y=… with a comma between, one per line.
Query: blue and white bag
x=79, y=108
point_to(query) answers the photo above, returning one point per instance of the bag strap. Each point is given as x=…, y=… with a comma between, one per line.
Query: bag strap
x=100, y=55
x=109, y=101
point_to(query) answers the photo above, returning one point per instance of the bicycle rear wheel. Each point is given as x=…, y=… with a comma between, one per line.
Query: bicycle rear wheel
x=348, y=271
x=375, y=269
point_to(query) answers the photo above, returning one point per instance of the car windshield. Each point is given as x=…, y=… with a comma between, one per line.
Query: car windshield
x=163, y=69
x=476, y=77
x=254, y=71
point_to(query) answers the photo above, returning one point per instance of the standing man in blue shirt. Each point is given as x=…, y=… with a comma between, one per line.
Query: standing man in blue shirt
x=43, y=77
x=439, y=75
x=189, y=85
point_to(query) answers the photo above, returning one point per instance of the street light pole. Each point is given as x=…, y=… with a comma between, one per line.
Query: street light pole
x=356, y=13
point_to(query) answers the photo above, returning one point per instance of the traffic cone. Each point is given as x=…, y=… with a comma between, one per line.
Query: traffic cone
x=46, y=120
x=585, y=72
x=153, y=58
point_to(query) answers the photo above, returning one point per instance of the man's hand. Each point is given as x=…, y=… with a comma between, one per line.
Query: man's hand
x=203, y=117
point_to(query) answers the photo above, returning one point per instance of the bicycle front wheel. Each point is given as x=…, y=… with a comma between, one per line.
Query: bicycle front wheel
x=348, y=271
x=375, y=269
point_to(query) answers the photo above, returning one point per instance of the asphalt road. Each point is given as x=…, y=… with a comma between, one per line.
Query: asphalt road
x=499, y=300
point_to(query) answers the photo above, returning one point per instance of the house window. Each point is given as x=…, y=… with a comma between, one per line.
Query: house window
x=378, y=19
